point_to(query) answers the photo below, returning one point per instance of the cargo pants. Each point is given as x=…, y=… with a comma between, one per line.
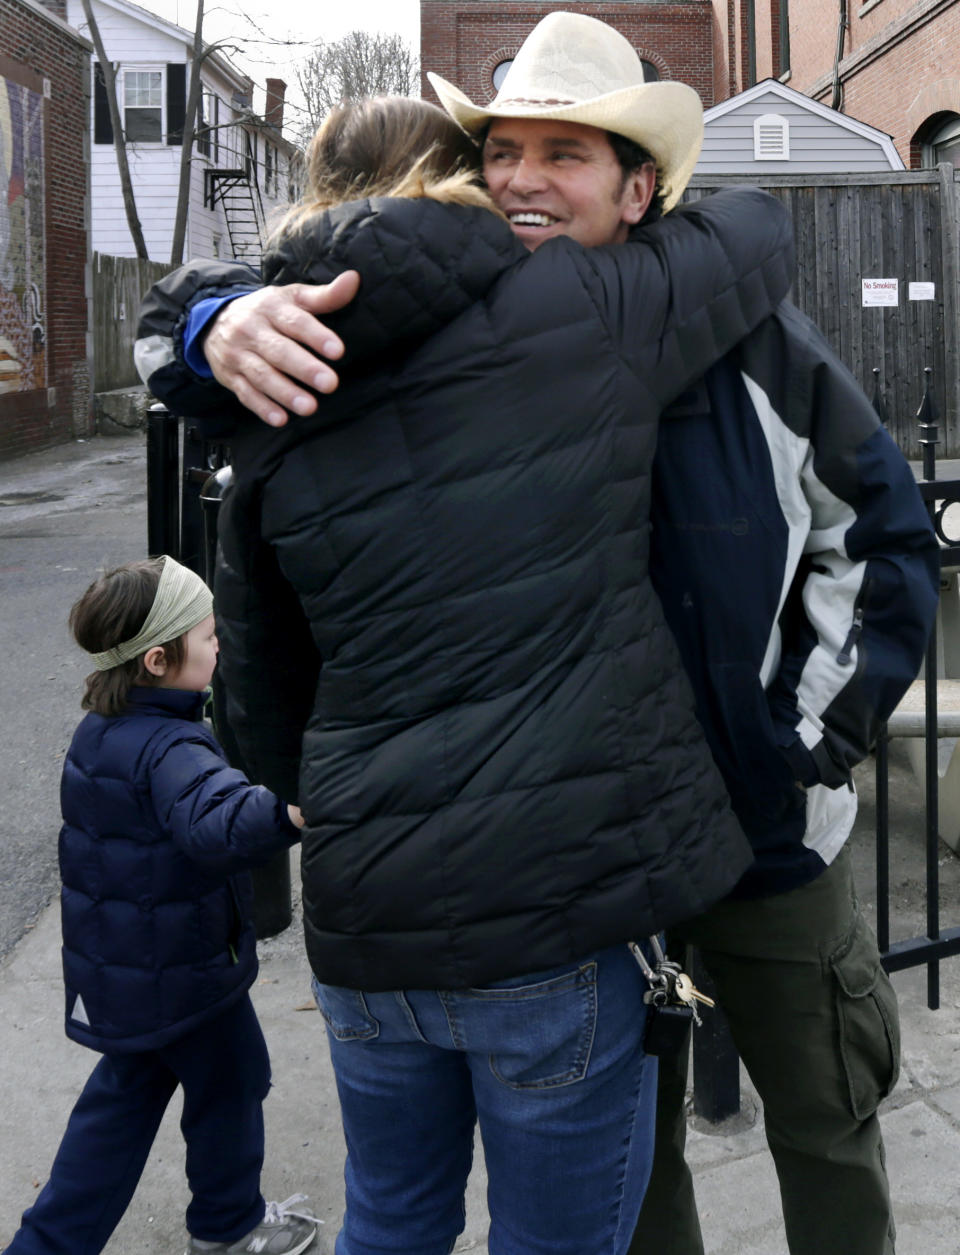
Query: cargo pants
x=815, y=1020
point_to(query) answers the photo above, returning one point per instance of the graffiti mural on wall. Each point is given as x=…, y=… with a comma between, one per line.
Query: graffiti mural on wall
x=23, y=304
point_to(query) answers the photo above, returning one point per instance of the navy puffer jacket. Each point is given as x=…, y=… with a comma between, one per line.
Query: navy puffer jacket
x=156, y=902
x=433, y=596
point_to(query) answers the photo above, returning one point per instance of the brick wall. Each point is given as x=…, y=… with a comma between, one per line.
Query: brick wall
x=899, y=83
x=45, y=391
x=464, y=40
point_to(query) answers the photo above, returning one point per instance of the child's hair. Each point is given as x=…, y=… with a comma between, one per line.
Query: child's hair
x=112, y=610
x=389, y=146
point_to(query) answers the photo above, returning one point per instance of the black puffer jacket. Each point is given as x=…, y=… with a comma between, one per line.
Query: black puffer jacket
x=501, y=770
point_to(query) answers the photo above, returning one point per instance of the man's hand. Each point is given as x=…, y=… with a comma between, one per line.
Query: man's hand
x=253, y=346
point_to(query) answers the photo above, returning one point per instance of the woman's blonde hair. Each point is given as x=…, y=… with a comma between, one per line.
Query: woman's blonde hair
x=389, y=146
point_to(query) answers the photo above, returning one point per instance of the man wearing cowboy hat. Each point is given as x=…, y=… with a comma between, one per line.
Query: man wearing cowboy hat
x=797, y=570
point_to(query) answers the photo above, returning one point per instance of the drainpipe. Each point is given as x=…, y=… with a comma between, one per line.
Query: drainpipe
x=836, y=100
x=751, y=43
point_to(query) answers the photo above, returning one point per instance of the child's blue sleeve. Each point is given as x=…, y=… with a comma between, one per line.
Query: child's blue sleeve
x=212, y=811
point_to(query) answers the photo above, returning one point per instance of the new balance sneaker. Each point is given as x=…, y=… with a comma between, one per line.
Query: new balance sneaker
x=282, y=1231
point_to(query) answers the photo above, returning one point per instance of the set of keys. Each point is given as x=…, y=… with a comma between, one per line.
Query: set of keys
x=672, y=1000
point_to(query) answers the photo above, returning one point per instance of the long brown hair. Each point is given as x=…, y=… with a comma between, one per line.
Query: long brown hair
x=389, y=146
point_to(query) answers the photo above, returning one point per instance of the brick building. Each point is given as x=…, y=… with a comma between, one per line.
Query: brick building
x=45, y=375
x=470, y=42
x=898, y=68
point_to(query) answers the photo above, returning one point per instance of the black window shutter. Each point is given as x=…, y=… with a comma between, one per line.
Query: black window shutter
x=176, y=101
x=102, y=126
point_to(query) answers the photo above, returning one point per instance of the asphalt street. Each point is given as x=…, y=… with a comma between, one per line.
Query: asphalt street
x=65, y=514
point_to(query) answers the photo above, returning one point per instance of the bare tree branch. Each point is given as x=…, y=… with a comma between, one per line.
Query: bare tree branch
x=358, y=65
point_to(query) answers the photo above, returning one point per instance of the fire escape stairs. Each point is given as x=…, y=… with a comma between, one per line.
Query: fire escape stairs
x=242, y=209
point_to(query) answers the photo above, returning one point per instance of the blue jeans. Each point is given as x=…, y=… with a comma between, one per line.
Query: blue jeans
x=551, y=1065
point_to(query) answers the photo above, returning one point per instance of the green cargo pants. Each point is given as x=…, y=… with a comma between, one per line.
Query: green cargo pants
x=815, y=1020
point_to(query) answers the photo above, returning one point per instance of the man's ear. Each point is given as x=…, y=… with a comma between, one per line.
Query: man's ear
x=638, y=193
x=155, y=661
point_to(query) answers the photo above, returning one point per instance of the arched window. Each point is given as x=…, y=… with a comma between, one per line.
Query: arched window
x=771, y=138
x=943, y=142
x=500, y=73
x=650, y=72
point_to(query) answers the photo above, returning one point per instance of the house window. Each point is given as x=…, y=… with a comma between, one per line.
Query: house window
x=650, y=72
x=771, y=138
x=207, y=142
x=270, y=169
x=143, y=106
x=145, y=96
x=944, y=143
x=500, y=73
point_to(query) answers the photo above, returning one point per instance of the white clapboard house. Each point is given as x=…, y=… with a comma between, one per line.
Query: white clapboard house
x=772, y=129
x=242, y=169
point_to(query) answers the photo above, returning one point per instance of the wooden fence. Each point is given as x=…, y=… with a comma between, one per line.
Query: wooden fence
x=119, y=284
x=902, y=225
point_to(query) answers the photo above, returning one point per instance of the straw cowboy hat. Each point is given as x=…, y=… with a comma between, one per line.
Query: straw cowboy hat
x=575, y=68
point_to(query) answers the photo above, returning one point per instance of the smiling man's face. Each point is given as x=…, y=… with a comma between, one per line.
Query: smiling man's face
x=562, y=178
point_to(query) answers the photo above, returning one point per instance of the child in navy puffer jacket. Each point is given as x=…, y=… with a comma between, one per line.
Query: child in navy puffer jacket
x=158, y=944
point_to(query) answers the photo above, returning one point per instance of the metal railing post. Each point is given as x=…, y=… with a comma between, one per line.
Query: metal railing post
x=883, y=840
x=716, y=1063
x=163, y=482
x=196, y=470
x=929, y=439
x=272, y=895
x=183, y=503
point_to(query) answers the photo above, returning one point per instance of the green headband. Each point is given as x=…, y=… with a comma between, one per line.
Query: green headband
x=182, y=601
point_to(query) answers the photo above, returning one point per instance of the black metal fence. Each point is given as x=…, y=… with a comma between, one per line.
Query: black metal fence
x=940, y=496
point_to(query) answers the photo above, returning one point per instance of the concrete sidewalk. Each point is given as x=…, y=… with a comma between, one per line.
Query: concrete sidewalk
x=43, y=1073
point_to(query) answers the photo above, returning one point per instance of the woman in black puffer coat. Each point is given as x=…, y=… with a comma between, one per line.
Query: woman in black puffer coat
x=434, y=610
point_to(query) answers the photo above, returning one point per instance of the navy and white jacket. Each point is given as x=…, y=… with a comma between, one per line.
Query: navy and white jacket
x=157, y=837
x=799, y=572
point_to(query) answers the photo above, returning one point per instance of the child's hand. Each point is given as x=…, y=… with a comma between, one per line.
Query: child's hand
x=295, y=816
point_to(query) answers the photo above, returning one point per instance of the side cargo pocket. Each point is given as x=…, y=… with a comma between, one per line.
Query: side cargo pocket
x=868, y=1020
